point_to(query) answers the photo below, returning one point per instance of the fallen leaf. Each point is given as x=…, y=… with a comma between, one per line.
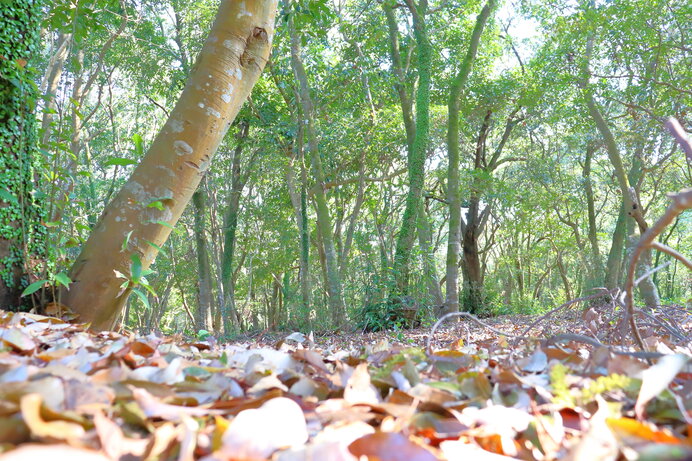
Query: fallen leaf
x=154, y=408
x=257, y=433
x=52, y=430
x=52, y=452
x=390, y=446
x=456, y=450
x=628, y=427
x=656, y=379
x=17, y=339
x=359, y=388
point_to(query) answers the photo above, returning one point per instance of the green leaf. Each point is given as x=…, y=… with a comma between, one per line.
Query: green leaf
x=197, y=372
x=142, y=297
x=158, y=204
x=158, y=248
x=135, y=268
x=6, y=196
x=165, y=224
x=126, y=241
x=139, y=144
x=63, y=280
x=144, y=283
x=119, y=161
x=33, y=288
x=203, y=334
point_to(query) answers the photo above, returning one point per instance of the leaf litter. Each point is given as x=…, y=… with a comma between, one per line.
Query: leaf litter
x=68, y=393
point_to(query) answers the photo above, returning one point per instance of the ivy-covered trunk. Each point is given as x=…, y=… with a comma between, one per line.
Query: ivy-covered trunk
x=20, y=234
x=417, y=154
x=139, y=219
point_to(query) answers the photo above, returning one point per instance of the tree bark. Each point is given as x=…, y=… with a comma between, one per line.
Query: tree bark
x=453, y=196
x=324, y=222
x=417, y=154
x=199, y=199
x=428, y=255
x=617, y=248
x=227, y=68
x=595, y=278
x=229, y=313
x=49, y=86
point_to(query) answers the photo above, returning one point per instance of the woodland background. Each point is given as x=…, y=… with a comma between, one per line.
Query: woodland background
x=374, y=130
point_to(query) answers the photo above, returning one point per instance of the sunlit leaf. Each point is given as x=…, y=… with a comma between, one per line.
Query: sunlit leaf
x=34, y=287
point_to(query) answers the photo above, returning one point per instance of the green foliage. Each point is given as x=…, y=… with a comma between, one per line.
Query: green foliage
x=379, y=316
x=564, y=394
x=535, y=198
x=19, y=212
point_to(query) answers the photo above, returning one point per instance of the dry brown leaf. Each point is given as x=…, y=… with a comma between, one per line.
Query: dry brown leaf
x=52, y=430
x=388, y=446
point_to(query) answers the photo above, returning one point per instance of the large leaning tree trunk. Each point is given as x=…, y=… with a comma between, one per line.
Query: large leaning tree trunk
x=227, y=68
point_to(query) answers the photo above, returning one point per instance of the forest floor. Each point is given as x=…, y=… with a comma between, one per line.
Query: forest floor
x=483, y=390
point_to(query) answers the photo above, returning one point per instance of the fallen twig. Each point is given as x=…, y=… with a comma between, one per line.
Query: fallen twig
x=669, y=328
x=568, y=303
x=650, y=272
x=680, y=135
x=679, y=256
x=681, y=202
x=573, y=337
x=475, y=319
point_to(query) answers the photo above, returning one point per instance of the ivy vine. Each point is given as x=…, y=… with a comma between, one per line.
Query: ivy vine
x=21, y=234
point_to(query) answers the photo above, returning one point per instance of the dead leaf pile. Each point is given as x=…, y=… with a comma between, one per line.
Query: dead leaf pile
x=67, y=393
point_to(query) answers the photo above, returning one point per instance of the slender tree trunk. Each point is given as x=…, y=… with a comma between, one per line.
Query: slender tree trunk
x=453, y=197
x=204, y=294
x=353, y=219
x=50, y=83
x=333, y=281
x=632, y=206
x=617, y=248
x=229, y=312
x=397, y=67
x=304, y=235
x=298, y=195
x=234, y=56
x=427, y=251
x=647, y=288
x=595, y=278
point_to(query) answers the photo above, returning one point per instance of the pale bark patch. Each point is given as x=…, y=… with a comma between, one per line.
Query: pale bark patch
x=213, y=112
x=177, y=126
x=182, y=148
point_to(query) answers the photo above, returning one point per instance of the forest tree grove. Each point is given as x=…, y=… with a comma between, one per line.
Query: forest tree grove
x=219, y=167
